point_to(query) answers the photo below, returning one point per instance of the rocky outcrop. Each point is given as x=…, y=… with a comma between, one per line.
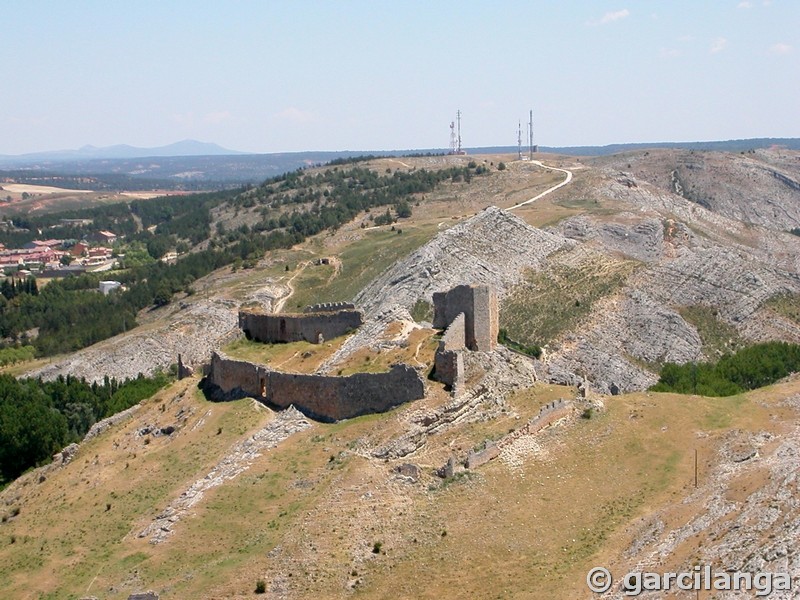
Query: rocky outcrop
x=735, y=528
x=496, y=375
x=238, y=460
x=639, y=239
x=492, y=248
x=193, y=331
x=759, y=188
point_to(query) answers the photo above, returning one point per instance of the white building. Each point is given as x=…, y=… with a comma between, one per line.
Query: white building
x=107, y=286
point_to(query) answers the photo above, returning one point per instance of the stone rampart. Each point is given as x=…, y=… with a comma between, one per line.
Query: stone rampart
x=329, y=307
x=310, y=327
x=479, y=305
x=449, y=358
x=322, y=397
x=547, y=415
x=476, y=458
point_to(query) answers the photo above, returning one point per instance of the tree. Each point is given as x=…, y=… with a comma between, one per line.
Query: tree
x=158, y=246
x=403, y=209
x=163, y=295
x=65, y=259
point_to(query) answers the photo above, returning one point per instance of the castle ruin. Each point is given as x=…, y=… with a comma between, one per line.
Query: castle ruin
x=322, y=322
x=469, y=316
x=468, y=313
x=322, y=397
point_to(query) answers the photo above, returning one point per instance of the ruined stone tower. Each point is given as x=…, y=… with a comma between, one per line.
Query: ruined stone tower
x=479, y=305
x=468, y=314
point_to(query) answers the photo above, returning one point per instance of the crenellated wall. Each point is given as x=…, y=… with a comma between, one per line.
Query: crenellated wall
x=547, y=415
x=329, y=307
x=323, y=397
x=310, y=327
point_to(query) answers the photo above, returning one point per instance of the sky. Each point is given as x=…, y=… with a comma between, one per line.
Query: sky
x=296, y=75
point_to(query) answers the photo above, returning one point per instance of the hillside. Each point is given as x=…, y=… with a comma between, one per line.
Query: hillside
x=613, y=275
x=303, y=506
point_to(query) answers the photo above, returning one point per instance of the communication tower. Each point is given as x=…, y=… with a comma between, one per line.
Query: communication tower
x=530, y=135
x=519, y=140
x=455, y=135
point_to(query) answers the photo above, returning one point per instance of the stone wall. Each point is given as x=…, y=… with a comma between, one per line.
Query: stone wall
x=310, y=327
x=329, y=307
x=322, y=397
x=547, y=415
x=479, y=305
x=449, y=358
x=476, y=458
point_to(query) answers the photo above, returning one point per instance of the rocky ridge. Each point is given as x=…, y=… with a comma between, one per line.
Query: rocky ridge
x=761, y=187
x=754, y=533
x=493, y=248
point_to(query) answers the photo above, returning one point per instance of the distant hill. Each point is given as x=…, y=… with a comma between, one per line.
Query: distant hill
x=199, y=165
x=718, y=146
x=182, y=148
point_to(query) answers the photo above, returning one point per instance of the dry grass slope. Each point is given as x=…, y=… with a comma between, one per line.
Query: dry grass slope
x=306, y=515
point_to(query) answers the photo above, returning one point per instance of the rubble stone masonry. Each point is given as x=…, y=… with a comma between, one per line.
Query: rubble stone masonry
x=449, y=357
x=479, y=305
x=322, y=397
x=308, y=327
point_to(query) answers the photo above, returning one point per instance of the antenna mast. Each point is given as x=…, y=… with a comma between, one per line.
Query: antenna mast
x=452, y=137
x=458, y=118
x=519, y=140
x=530, y=136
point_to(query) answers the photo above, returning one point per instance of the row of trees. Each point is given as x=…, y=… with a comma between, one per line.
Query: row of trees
x=747, y=369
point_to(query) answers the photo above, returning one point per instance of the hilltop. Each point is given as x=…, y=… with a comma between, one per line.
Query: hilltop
x=644, y=258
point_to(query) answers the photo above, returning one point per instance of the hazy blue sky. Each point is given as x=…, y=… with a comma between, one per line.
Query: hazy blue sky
x=272, y=76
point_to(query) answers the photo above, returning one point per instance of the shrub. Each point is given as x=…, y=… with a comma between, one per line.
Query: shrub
x=261, y=587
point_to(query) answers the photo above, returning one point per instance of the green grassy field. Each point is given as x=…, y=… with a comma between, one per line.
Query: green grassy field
x=362, y=261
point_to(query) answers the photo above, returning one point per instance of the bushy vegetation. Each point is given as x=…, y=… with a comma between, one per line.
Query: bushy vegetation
x=527, y=349
x=38, y=418
x=747, y=369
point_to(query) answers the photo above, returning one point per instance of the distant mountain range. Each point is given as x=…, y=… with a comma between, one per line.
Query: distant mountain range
x=195, y=148
x=183, y=148
x=192, y=165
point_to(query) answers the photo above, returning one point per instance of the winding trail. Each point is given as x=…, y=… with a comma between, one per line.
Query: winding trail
x=566, y=181
x=279, y=304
